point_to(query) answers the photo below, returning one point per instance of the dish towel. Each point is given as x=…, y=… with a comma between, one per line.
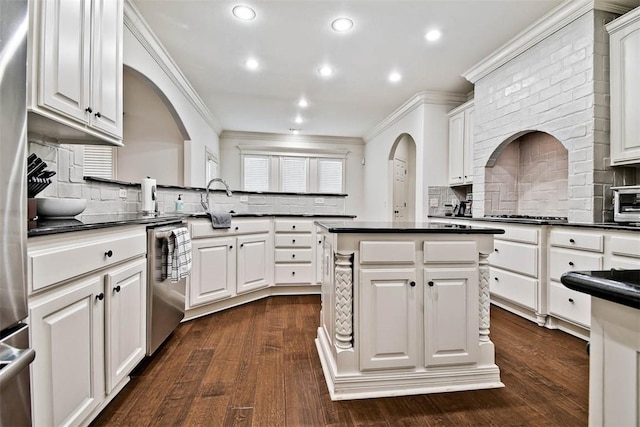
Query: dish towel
x=220, y=219
x=177, y=253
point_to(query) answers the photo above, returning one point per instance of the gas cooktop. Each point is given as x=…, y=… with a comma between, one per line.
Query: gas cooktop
x=529, y=218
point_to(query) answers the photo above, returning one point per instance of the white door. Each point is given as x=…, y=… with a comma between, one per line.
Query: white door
x=213, y=272
x=67, y=333
x=400, y=190
x=126, y=303
x=254, y=262
x=64, y=55
x=106, y=67
x=468, y=145
x=450, y=316
x=388, y=312
x=456, y=148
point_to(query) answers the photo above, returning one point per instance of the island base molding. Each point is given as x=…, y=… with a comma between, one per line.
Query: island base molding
x=358, y=385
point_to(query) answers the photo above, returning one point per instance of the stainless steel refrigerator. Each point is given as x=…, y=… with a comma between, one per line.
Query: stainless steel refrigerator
x=15, y=354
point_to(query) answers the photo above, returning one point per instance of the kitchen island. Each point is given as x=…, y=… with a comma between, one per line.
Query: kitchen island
x=405, y=309
x=614, y=368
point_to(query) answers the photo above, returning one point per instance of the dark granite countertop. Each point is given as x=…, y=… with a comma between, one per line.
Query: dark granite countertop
x=620, y=286
x=600, y=225
x=91, y=222
x=402, y=227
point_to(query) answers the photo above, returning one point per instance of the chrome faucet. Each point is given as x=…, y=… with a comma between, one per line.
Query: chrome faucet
x=205, y=204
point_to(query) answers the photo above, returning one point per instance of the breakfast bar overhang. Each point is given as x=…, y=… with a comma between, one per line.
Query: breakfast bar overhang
x=405, y=309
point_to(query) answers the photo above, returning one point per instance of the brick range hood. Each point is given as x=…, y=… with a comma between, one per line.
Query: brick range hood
x=551, y=78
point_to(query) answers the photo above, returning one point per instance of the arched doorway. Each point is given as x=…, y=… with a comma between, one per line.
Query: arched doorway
x=402, y=170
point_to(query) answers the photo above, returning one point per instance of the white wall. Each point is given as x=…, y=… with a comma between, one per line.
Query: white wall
x=200, y=132
x=428, y=125
x=153, y=143
x=230, y=158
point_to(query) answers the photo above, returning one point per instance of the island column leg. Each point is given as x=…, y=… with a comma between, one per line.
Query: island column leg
x=344, y=299
x=484, y=297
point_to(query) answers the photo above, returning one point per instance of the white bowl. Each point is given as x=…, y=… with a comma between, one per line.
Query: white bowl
x=52, y=207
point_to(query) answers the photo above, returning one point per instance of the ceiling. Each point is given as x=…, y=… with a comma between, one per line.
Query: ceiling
x=291, y=39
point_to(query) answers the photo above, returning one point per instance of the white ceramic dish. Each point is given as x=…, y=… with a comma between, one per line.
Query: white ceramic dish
x=51, y=207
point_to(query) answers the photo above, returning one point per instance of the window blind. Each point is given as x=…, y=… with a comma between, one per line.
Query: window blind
x=294, y=174
x=98, y=161
x=330, y=175
x=256, y=173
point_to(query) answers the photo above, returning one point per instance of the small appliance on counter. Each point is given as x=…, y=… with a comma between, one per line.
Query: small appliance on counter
x=626, y=203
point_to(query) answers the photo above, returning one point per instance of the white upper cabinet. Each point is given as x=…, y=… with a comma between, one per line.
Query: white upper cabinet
x=461, y=144
x=625, y=88
x=75, y=85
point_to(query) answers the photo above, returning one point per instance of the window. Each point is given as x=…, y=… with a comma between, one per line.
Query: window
x=256, y=173
x=298, y=170
x=99, y=161
x=293, y=177
x=211, y=166
x=330, y=175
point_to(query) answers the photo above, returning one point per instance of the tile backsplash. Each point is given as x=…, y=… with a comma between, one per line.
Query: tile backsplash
x=114, y=197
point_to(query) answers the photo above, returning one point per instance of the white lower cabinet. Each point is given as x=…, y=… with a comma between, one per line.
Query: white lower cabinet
x=88, y=335
x=67, y=333
x=88, y=326
x=450, y=316
x=254, y=263
x=213, y=274
x=388, y=309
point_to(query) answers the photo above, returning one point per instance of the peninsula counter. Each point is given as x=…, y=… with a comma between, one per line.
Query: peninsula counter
x=405, y=309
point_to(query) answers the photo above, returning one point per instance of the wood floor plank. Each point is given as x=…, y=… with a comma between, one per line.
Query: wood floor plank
x=257, y=365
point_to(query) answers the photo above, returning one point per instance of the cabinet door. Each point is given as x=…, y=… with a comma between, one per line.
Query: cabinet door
x=625, y=95
x=456, y=151
x=106, y=67
x=126, y=308
x=213, y=272
x=468, y=145
x=67, y=333
x=64, y=57
x=450, y=316
x=255, y=263
x=388, y=311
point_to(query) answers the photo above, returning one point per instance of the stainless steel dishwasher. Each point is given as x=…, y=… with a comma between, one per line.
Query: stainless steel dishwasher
x=165, y=300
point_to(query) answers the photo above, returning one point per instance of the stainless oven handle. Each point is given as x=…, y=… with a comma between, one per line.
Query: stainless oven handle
x=630, y=210
x=20, y=360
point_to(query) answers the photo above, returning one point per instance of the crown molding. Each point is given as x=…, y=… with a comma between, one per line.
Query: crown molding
x=418, y=100
x=553, y=21
x=623, y=21
x=134, y=21
x=285, y=137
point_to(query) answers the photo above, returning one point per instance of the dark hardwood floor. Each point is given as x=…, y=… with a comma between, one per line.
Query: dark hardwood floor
x=257, y=365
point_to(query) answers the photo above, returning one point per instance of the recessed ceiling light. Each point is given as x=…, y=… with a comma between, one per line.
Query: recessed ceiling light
x=325, y=71
x=244, y=13
x=303, y=103
x=298, y=119
x=342, y=24
x=252, y=64
x=433, y=35
x=395, y=77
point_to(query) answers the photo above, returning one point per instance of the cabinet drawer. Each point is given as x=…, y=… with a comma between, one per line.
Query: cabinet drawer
x=516, y=257
x=294, y=240
x=294, y=255
x=626, y=246
x=518, y=234
x=293, y=273
x=569, y=304
x=293, y=226
x=514, y=287
x=562, y=261
x=577, y=240
x=450, y=252
x=387, y=252
x=53, y=260
x=202, y=228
